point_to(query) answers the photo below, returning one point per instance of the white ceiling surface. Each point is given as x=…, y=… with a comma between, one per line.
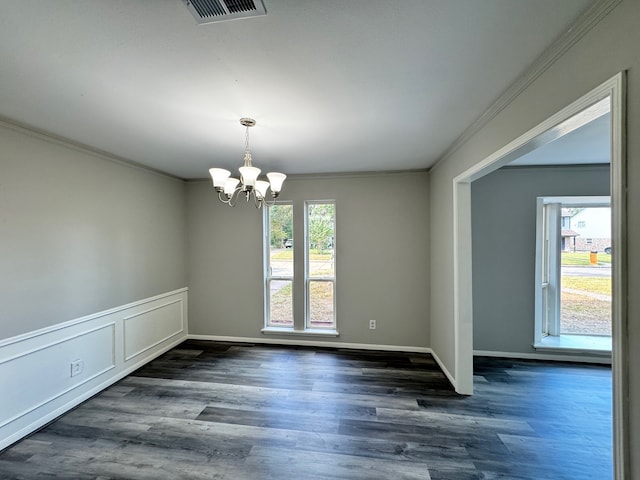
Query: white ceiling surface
x=335, y=86
x=589, y=144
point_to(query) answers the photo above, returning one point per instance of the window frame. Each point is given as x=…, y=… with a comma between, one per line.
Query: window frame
x=300, y=279
x=307, y=269
x=267, y=273
x=547, y=335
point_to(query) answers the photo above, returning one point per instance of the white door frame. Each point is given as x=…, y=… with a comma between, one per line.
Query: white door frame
x=549, y=130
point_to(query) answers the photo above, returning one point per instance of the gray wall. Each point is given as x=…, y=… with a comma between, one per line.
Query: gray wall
x=80, y=234
x=608, y=48
x=382, y=250
x=504, y=247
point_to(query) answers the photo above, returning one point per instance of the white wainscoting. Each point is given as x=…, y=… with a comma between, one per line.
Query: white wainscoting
x=47, y=372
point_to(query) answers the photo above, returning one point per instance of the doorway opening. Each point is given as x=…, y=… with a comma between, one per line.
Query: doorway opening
x=549, y=130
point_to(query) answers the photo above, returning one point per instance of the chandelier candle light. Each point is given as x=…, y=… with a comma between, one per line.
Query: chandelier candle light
x=229, y=188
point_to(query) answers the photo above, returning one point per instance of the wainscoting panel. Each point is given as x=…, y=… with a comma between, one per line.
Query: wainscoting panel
x=91, y=353
x=145, y=330
x=47, y=372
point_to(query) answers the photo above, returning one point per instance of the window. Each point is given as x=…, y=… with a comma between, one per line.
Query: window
x=320, y=271
x=279, y=261
x=300, y=274
x=573, y=282
x=581, y=224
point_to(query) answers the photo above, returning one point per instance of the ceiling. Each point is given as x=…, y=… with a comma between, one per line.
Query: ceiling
x=335, y=86
x=588, y=144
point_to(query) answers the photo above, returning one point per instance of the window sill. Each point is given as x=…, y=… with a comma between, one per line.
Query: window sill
x=590, y=344
x=289, y=331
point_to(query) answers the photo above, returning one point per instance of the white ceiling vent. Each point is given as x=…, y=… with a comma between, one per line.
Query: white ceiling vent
x=209, y=11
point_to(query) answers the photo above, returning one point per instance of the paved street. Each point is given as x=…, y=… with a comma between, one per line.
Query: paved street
x=284, y=268
x=587, y=271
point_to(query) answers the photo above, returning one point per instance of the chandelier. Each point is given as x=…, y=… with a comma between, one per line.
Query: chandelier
x=229, y=189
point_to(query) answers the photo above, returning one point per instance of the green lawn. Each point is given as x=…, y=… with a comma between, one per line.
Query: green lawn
x=320, y=305
x=601, y=285
x=583, y=258
x=583, y=315
x=581, y=311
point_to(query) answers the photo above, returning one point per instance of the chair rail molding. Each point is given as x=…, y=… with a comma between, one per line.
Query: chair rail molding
x=47, y=372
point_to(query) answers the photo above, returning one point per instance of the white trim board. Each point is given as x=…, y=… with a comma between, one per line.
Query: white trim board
x=615, y=89
x=86, y=318
x=316, y=343
x=81, y=147
x=311, y=343
x=6, y=442
x=604, y=360
x=37, y=368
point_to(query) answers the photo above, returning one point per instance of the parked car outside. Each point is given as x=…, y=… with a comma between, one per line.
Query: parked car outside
x=607, y=250
x=288, y=243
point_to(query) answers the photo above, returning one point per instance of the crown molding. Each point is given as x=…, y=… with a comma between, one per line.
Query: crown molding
x=585, y=22
x=337, y=175
x=34, y=132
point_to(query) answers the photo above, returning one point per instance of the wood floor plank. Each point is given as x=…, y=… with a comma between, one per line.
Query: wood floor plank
x=384, y=448
x=231, y=411
x=449, y=421
x=265, y=419
x=282, y=463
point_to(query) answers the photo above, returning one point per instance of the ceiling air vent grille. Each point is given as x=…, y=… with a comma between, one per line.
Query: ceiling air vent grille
x=209, y=11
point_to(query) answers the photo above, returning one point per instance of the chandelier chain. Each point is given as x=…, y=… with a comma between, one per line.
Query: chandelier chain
x=247, y=150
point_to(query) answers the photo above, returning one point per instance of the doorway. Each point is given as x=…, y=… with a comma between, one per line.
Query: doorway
x=547, y=131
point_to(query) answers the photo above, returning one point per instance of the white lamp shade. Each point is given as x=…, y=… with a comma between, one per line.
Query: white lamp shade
x=249, y=175
x=261, y=189
x=219, y=176
x=276, y=179
x=230, y=186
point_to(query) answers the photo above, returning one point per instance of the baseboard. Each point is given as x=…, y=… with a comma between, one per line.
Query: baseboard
x=317, y=343
x=312, y=343
x=37, y=372
x=444, y=369
x=544, y=357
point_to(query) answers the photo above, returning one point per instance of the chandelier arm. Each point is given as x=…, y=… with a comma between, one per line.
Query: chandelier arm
x=236, y=194
x=271, y=203
x=229, y=200
x=223, y=200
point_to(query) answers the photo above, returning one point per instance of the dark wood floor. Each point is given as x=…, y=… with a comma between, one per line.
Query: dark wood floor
x=247, y=412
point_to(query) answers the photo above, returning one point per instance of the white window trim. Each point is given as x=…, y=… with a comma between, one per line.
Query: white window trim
x=295, y=329
x=314, y=332
x=307, y=268
x=266, y=287
x=547, y=295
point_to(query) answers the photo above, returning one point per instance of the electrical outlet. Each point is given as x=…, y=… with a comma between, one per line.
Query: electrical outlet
x=76, y=367
x=372, y=324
